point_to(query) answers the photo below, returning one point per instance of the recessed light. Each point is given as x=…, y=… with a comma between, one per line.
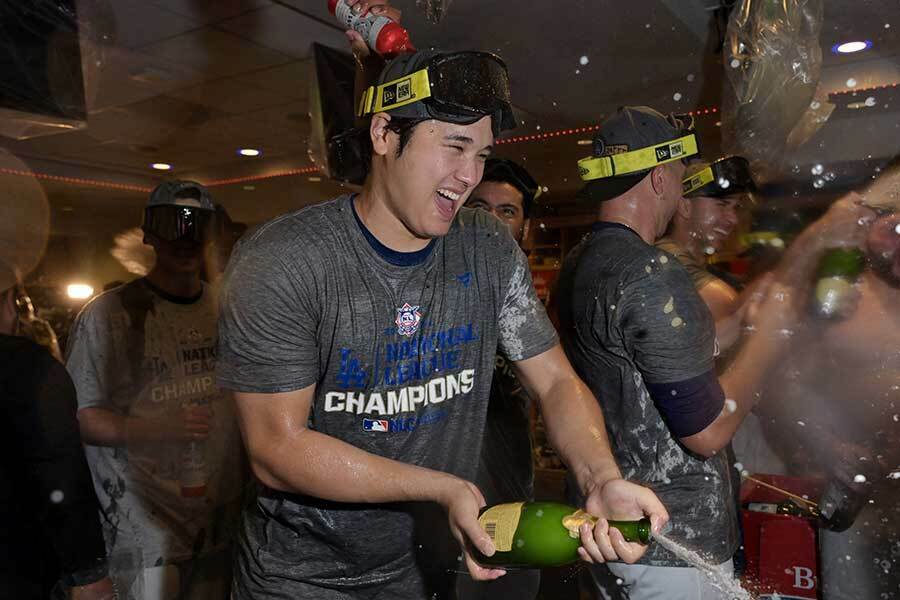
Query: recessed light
x=249, y=152
x=851, y=47
x=79, y=291
x=161, y=166
x=315, y=179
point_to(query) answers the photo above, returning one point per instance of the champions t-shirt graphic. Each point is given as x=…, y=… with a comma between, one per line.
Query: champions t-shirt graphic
x=402, y=359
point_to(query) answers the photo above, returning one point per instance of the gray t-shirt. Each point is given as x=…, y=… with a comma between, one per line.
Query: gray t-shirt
x=630, y=319
x=402, y=359
x=137, y=353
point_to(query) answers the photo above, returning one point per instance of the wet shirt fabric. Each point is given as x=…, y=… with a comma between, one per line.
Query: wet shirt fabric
x=51, y=526
x=696, y=269
x=402, y=359
x=631, y=322
x=140, y=353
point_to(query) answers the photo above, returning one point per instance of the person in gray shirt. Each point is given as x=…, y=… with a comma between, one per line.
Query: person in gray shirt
x=644, y=341
x=359, y=337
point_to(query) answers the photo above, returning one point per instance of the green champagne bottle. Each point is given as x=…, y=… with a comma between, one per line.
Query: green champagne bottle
x=542, y=534
x=837, y=273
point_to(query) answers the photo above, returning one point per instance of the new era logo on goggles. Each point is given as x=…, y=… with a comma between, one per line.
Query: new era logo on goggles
x=635, y=161
x=459, y=84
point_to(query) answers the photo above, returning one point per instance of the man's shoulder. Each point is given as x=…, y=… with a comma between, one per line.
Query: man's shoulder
x=303, y=229
x=616, y=250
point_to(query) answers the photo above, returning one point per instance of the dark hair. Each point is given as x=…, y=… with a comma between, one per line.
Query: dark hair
x=402, y=126
x=501, y=170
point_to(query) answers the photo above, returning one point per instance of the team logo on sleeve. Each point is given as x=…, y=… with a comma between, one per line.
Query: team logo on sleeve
x=408, y=318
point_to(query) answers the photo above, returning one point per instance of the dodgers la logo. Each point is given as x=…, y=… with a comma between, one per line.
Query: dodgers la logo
x=408, y=318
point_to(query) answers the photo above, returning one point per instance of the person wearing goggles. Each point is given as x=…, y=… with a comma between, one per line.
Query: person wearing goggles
x=360, y=337
x=160, y=437
x=644, y=341
x=706, y=217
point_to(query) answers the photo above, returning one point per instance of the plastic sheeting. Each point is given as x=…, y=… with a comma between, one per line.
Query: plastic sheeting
x=24, y=220
x=50, y=55
x=434, y=9
x=773, y=61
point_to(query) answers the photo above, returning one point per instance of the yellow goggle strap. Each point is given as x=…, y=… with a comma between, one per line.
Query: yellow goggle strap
x=394, y=94
x=599, y=167
x=697, y=181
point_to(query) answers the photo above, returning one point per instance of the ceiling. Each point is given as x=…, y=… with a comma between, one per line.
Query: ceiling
x=188, y=82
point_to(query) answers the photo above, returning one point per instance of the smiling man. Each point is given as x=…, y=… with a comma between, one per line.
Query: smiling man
x=359, y=336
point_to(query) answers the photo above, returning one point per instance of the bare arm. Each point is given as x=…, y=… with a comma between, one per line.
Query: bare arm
x=286, y=455
x=576, y=429
x=103, y=427
x=743, y=380
x=724, y=304
x=573, y=417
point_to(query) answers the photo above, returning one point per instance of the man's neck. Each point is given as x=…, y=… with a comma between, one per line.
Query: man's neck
x=688, y=243
x=181, y=285
x=373, y=210
x=633, y=212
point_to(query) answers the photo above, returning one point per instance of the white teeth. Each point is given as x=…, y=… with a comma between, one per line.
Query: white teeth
x=449, y=195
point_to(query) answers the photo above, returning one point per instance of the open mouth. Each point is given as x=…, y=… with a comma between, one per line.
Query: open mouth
x=446, y=200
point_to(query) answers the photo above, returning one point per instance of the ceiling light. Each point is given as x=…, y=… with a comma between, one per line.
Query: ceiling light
x=79, y=291
x=851, y=47
x=249, y=152
x=161, y=166
x=584, y=142
x=315, y=179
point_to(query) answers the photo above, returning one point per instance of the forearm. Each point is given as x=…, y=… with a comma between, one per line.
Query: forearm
x=728, y=331
x=576, y=429
x=102, y=427
x=314, y=464
x=742, y=383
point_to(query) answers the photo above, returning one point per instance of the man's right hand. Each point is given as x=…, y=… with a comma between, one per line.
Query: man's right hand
x=358, y=46
x=463, y=500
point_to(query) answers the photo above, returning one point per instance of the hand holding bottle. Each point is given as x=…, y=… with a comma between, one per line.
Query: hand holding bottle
x=620, y=500
x=462, y=501
x=359, y=46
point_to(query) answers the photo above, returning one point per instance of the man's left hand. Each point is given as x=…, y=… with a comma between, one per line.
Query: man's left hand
x=622, y=500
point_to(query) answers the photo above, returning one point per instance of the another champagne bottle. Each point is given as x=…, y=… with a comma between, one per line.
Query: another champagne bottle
x=837, y=273
x=543, y=534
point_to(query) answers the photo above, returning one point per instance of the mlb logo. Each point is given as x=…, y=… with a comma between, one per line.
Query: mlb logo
x=379, y=425
x=408, y=319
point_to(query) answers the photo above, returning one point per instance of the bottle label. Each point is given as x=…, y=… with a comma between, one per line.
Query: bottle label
x=369, y=27
x=500, y=523
x=574, y=522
